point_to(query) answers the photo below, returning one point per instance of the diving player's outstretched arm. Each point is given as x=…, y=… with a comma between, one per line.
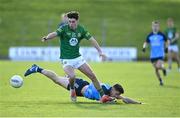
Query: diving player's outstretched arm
x=128, y=100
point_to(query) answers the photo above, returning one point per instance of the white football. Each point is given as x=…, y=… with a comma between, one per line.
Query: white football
x=16, y=81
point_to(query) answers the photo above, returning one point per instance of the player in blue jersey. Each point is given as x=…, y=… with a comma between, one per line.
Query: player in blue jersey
x=159, y=45
x=64, y=20
x=84, y=88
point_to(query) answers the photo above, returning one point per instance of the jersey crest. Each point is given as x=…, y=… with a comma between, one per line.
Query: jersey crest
x=73, y=41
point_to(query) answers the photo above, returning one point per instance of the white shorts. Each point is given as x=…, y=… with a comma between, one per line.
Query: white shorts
x=173, y=48
x=75, y=63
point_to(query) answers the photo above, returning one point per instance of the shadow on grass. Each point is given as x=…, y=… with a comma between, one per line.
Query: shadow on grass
x=95, y=105
x=83, y=104
x=171, y=86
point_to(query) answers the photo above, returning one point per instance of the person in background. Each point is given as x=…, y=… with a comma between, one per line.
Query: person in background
x=159, y=44
x=173, y=51
x=64, y=20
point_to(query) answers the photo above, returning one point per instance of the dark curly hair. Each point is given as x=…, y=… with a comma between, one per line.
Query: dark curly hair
x=119, y=88
x=73, y=14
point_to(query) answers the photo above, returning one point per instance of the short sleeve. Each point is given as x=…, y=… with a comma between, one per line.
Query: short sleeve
x=175, y=30
x=86, y=34
x=59, y=31
x=147, y=39
x=164, y=37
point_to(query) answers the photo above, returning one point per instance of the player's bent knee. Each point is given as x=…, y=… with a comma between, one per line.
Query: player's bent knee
x=158, y=66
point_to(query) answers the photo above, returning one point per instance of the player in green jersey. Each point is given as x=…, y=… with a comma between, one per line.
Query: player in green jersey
x=71, y=35
x=172, y=35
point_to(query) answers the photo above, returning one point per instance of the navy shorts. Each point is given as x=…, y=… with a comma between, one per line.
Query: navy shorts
x=78, y=85
x=156, y=59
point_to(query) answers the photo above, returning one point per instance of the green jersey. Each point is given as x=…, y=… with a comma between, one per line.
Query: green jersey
x=70, y=40
x=170, y=34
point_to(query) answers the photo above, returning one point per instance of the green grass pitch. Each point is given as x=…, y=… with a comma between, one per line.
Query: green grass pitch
x=39, y=96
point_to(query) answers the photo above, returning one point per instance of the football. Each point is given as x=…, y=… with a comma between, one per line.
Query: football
x=16, y=81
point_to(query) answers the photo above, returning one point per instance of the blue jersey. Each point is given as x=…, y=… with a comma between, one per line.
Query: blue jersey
x=92, y=93
x=156, y=42
x=61, y=24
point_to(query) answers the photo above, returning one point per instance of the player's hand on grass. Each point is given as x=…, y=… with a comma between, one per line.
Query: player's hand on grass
x=103, y=56
x=144, y=50
x=111, y=102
